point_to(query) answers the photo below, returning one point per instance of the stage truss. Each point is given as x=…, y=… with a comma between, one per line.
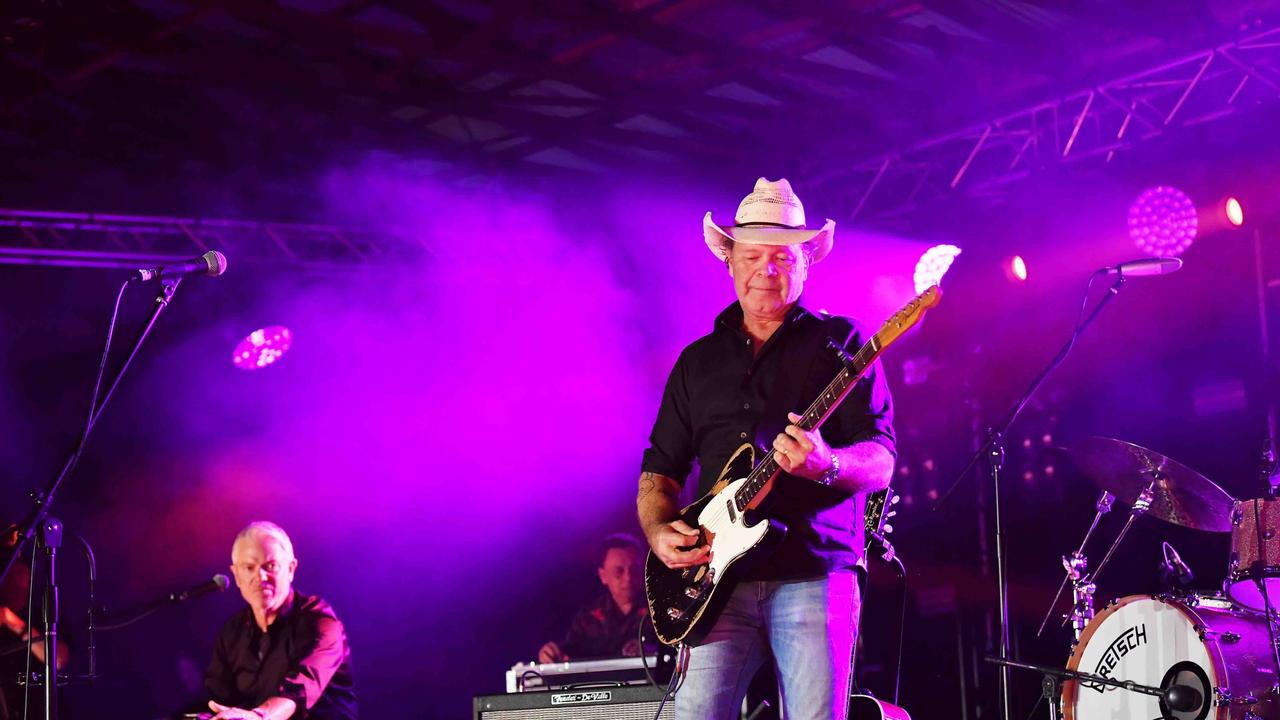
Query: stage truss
x=36, y=237
x=1092, y=125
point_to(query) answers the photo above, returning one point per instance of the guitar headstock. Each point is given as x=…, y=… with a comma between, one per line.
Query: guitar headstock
x=906, y=318
x=879, y=511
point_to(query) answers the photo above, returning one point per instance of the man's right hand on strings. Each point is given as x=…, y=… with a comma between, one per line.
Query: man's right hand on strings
x=669, y=543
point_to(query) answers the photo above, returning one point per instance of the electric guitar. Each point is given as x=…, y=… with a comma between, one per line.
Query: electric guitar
x=683, y=602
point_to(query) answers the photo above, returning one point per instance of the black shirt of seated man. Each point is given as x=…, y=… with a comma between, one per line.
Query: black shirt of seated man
x=303, y=656
x=600, y=629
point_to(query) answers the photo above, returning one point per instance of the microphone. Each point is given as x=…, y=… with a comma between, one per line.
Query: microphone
x=1146, y=266
x=212, y=263
x=219, y=582
x=1173, y=565
x=1182, y=698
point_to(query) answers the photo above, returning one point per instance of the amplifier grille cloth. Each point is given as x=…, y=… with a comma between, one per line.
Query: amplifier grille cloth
x=628, y=711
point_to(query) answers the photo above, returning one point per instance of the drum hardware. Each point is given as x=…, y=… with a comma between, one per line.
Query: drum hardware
x=1076, y=564
x=1081, y=592
x=1180, y=698
x=1084, y=586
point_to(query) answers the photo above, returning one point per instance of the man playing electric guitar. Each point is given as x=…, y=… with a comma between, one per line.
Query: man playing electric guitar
x=765, y=359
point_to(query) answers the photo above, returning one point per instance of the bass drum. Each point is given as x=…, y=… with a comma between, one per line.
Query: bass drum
x=1201, y=642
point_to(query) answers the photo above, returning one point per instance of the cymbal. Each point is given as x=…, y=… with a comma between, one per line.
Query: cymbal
x=1181, y=495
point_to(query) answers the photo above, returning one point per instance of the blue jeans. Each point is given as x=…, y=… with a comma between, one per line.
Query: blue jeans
x=808, y=626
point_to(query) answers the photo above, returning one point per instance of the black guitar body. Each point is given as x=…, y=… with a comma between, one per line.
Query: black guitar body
x=684, y=603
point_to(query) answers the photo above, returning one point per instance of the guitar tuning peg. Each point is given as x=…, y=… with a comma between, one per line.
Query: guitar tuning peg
x=888, y=529
x=890, y=514
x=896, y=499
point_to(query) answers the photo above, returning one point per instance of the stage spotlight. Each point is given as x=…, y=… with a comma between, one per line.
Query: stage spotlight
x=1017, y=268
x=1235, y=213
x=1163, y=221
x=933, y=264
x=262, y=347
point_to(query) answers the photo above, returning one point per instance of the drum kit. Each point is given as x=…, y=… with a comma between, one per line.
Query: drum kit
x=1179, y=655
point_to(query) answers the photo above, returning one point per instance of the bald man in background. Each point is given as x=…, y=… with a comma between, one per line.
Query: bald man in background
x=286, y=655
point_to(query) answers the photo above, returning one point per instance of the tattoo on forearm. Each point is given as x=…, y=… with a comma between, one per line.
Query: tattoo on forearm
x=648, y=483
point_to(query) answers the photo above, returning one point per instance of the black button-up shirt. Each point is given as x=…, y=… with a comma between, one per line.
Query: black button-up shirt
x=601, y=630
x=302, y=656
x=720, y=395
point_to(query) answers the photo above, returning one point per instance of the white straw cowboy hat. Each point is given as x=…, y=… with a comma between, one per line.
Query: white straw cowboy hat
x=770, y=215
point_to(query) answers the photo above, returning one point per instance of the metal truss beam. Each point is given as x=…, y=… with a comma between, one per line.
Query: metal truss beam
x=1092, y=125
x=35, y=237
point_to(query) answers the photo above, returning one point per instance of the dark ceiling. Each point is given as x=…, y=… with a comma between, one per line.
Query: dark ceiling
x=202, y=106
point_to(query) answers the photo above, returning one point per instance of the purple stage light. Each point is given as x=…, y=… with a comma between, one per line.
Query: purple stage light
x=1163, y=221
x=262, y=347
x=933, y=264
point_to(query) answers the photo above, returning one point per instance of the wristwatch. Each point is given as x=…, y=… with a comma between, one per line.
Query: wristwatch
x=832, y=473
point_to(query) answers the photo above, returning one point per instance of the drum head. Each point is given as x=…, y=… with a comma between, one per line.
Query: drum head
x=1148, y=641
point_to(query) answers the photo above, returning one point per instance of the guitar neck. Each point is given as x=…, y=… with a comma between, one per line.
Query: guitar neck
x=816, y=414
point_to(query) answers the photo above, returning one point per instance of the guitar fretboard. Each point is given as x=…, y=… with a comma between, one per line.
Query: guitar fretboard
x=817, y=413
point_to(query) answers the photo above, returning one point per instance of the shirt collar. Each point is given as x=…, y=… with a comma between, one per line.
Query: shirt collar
x=731, y=317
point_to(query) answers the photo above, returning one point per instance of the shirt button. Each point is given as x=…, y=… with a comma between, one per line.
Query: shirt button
x=746, y=406
x=742, y=436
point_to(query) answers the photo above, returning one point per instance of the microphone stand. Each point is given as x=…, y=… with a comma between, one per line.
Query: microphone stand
x=1054, y=676
x=50, y=540
x=129, y=616
x=993, y=450
x=50, y=529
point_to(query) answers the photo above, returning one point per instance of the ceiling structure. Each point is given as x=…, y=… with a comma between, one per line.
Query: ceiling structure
x=179, y=107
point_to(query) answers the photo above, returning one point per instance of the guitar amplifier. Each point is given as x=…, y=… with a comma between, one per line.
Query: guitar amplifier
x=631, y=702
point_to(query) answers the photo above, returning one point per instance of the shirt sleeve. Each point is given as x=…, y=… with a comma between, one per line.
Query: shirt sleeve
x=670, y=450
x=867, y=413
x=322, y=654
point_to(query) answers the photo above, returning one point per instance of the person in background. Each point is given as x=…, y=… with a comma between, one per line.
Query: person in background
x=607, y=626
x=286, y=655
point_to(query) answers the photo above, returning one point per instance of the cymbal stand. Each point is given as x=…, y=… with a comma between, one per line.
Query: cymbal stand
x=1076, y=564
x=1140, y=507
x=1080, y=616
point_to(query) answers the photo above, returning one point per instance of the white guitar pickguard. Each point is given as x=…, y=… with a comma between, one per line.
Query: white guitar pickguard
x=732, y=538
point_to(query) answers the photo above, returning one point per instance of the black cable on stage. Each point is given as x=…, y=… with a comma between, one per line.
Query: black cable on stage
x=902, y=625
x=644, y=661
x=673, y=687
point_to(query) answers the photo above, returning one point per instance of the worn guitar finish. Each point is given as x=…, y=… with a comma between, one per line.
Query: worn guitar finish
x=683, y=603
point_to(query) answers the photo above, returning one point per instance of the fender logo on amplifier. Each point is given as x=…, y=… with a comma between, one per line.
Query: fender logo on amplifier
x=603, y=696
